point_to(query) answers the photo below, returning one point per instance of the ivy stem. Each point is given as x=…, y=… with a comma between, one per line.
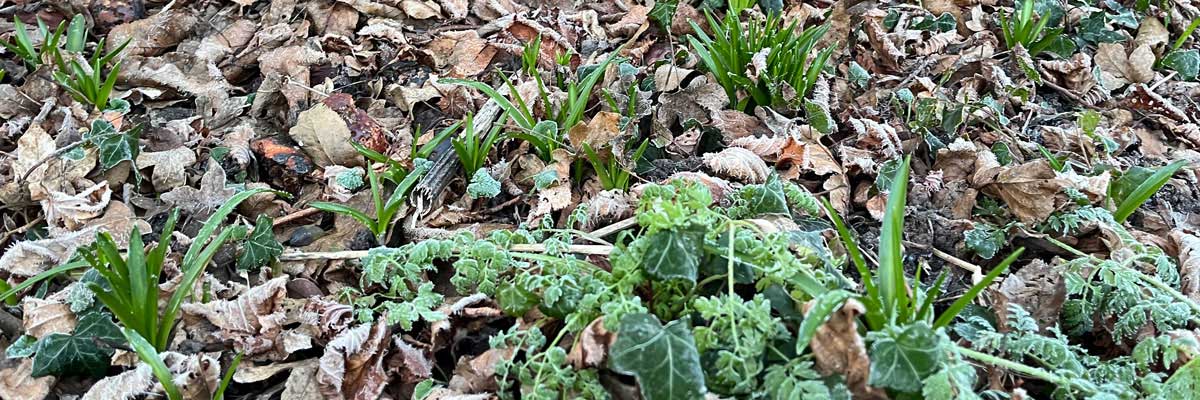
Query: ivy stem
x=1021, y=368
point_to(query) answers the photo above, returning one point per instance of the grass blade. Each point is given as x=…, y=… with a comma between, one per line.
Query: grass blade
x=958, y=305
x=150, y=356
x=1145, y=190
x=892, y=284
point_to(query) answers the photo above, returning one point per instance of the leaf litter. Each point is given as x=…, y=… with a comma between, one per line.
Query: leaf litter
x=666, y=199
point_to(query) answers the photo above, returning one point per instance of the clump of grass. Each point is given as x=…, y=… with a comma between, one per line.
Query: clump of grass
x=890, y=298
x=131, y=292
x=385, y=210
x=544, y=129
x=1024, y=29
x=473, y=149
x=609, y=170
x=790, y=58
x=86, y=82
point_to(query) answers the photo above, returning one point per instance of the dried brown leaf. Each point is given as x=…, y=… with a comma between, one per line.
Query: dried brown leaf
x=739, y=164
x=352, y=366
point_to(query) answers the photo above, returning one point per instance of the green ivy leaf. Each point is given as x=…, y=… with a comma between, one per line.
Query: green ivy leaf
x=1186, y=63
x=261, y=246
x=85, y=352
x=23, y=347
x=674, y=254
x=767, y=198
x=664, y=12
x=943, y=23
x=818, y=117
x=114, y=146
x=664, y=359
x=858, y=75
x=901, y=357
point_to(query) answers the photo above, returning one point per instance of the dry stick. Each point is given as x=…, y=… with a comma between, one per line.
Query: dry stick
x=615, y=227
x=295, y=216
x=976, y=271
x=586, y=249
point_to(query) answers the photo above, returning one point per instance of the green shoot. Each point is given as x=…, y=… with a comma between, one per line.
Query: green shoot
x=1023, y=29
x=1134, y=199
x=228, y=378
x=87, y=82
x=132, y=293
x=472, y=149
x=891, y=299
x=789, y=63
x=150, y=355
x=385, y=211
x=22, y=45
x=1056, y=163
x=609, y=171
x=546, y=135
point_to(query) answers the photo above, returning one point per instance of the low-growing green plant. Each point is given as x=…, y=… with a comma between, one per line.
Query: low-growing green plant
x=609, y=171
x=1185, y=62
x=23, y=47
x=385, y=211
x=1137, y=185
x=890, y=299
x=472, y=149
x=790, y=62
x=130, y=286
x=544, y=132
x=87, y=82
x=1027, y=29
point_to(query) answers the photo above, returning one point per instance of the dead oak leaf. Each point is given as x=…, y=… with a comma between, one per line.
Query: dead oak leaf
x=203, y=201
x=838, y=348
x=253, y=320
x=1030, y=190
x=597, y=133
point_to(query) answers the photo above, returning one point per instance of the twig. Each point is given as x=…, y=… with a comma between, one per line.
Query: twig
x=586, y=249
x=295, y=216
x=9, y=234
x=615, y=227
x=47, y=158
x=976, y=271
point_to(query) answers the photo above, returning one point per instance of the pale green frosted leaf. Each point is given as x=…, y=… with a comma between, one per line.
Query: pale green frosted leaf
x=663, y=358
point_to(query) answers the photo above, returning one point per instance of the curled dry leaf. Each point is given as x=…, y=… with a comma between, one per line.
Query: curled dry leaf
x=1038, y=287
x=32, y=257
x=1031, y=190
x=839, y=349
x=597, y=133
x=170, y=166
x=739, y=164
x=252, y=320
x=591, y=350
x=1189, y=262
x=71, y=211
x=45, y=316
x=127, y=385
x=609, y=206
x=352, y=366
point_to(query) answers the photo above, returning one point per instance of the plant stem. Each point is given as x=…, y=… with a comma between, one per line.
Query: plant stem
x=1145, y=278
x=1021, y=368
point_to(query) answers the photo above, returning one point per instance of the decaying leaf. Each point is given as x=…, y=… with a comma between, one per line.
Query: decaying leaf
x=739, y=164
x=839, y=349
x=169, y=166
x=253, y=320
x=352, y=366
x=208, y=198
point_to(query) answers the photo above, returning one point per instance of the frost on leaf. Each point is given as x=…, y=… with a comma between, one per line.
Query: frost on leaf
x=203, y=201
x=352, y=366
x=72, y=210
x=739, y=164
x=252, y=320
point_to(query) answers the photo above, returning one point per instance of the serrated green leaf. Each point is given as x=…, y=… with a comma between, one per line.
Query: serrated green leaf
x=260, y=247
x=483, y=185
x=902, y=357
x=674, y=254
x=663, y=358
x=985, y=240
x=818, y=117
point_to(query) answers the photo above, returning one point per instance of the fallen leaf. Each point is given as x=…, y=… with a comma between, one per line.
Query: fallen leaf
x=208, y=198
x=325, y=137
x=1118, y=69
x=169, y=167
x=591, y=350
x=253, y=320
x=739, y=164
x=597, y=133
x=839, y=349
x=352, y=366
x=1030, y=190
x=72, y=211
